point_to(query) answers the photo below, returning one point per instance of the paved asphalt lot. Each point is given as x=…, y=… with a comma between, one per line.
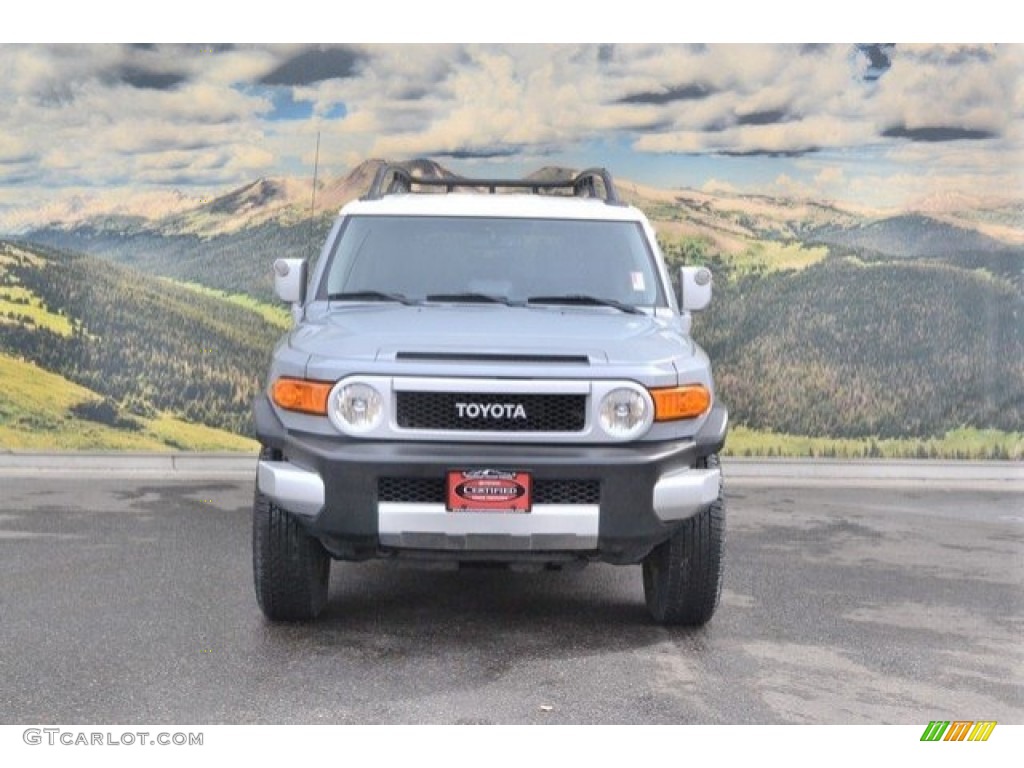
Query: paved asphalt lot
x=127, y=598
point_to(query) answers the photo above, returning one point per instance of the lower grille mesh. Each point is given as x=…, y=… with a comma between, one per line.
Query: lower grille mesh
x=431, y=490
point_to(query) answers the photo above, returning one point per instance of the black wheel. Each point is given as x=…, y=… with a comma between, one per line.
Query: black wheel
x=683, y=575
x=290, y=568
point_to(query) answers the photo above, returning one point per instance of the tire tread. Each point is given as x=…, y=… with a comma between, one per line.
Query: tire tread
x=683, y=575
x=291, y=569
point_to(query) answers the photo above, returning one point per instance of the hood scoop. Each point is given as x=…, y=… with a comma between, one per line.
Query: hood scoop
x=471, y=357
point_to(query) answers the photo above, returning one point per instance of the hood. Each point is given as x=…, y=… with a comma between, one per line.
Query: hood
x=383, y=333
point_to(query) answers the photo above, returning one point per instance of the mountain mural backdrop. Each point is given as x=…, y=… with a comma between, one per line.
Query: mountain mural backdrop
x=835, y=330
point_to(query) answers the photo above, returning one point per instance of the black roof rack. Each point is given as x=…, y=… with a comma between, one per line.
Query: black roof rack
x=394, y=179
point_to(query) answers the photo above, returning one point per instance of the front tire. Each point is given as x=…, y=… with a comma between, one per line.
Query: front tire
x=291, y=569
x=683, y=575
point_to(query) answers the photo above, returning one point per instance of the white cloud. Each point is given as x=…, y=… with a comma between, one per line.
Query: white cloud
x=14, y=149
x=831, y=176
x=72, y=116
x=787, y=186
x=968, y=87
x=717, y=186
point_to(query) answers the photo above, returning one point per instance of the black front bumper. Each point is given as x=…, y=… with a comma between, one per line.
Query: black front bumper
x=352, y=471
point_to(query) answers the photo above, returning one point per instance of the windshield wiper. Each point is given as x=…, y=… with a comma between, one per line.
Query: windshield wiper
x=370, y=296
x=483, y=298
x=582, y=299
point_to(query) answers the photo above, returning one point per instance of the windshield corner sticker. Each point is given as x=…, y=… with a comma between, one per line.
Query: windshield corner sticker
x=638, y=281
x=488, y=490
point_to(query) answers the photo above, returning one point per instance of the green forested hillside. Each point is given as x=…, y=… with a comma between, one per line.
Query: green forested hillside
x=843, y=348
x=238, y=262
x=40, y=410
x=146, y=346
x=908, y=236
x=847, y=348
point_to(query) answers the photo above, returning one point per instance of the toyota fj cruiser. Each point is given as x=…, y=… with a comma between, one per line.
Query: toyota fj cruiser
x=499, y=375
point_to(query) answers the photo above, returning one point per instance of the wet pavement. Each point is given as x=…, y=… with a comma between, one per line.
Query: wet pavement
x=129, y=600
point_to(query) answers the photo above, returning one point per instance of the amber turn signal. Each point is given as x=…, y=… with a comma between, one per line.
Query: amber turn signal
x=686, y=402
x=302, y=395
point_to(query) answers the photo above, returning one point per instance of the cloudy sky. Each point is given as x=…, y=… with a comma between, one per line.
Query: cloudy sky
x=873, y=124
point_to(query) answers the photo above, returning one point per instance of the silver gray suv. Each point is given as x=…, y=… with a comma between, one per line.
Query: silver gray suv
x=490, y=371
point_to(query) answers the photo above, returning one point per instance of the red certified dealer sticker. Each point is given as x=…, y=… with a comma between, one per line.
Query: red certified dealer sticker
x=488, y=490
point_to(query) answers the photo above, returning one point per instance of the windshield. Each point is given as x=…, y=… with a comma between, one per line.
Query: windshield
x=486, y=259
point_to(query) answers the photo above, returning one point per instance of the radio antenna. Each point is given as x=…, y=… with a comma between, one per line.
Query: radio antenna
x=312, y=202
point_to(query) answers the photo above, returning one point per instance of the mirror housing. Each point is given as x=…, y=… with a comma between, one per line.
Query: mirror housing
x=290, y=280
x=694, y=288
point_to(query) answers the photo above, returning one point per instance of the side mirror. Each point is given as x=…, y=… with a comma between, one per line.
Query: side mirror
x=694, y=288
x=290, y=280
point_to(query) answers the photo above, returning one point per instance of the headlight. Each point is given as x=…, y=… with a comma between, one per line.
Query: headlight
x=356, y=408
x=624, y=413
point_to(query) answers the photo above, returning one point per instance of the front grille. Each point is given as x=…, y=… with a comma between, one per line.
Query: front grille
x=431, y=490
x=465, y=412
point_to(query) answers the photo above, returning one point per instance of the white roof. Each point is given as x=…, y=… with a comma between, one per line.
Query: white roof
x=510, y=205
